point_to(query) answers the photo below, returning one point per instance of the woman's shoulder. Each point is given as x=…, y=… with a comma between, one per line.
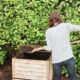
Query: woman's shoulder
x=64, y=23
x=58, y=26
x=47, y=30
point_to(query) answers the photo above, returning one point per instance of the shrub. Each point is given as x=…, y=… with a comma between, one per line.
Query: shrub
x=25, y=21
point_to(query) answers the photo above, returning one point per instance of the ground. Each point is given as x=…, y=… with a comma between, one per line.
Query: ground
x=6, y=72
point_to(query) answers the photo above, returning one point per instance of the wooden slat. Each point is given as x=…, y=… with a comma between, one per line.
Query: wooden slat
x=30, y=65
x=28, y=61
x=29, y=77
x=30, y=69
x=26, y=75
x=30, y=73
x=51, y=69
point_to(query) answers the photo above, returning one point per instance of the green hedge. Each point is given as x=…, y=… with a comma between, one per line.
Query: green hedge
x=25, y=21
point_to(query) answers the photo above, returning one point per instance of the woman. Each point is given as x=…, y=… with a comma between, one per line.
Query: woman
x=58, y=42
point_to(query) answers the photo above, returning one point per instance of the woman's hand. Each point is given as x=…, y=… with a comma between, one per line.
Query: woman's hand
x=40, y=48
x=37, y=49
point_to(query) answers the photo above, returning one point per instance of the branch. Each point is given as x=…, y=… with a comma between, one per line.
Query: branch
x=75, y=42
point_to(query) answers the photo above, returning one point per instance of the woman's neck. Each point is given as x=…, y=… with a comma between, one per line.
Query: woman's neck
x=55, y=24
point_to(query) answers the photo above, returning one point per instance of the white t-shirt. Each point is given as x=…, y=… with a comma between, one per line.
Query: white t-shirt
x=58, y=41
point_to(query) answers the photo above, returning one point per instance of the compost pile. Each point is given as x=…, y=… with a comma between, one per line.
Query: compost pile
x=25, y=53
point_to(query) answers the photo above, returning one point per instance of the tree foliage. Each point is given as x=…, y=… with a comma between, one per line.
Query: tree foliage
x=25, y=21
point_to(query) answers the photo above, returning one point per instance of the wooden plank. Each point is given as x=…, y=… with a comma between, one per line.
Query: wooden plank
x=30, y=69
x=31, y=73
x=28, y=61
x=51, y=69
x=30, y=65
x=30, y=77
x=48, y=71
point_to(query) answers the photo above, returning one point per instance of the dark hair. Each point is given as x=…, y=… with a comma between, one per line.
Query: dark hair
x=54, y=16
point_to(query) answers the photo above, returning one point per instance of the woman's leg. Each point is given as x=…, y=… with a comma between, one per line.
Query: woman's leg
x=57, y=69
x=70, y=65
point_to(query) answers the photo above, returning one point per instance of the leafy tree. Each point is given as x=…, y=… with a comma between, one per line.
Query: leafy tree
x=25, y=22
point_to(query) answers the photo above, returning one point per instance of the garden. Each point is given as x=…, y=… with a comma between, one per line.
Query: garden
x=24, y=22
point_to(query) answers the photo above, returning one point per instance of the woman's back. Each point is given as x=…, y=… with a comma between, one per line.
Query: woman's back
x=58, y=40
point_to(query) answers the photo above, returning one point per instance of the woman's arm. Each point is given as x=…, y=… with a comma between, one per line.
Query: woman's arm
x=73, y=27
x=48, y=41
x=48, y=47
x=40, y=48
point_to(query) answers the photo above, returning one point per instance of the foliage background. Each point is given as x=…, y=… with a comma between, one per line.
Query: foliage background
x=25, y=22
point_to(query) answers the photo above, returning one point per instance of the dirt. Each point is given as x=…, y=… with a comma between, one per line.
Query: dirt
x=6, y=72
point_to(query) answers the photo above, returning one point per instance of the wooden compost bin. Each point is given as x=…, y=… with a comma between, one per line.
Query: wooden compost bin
x=36, y=66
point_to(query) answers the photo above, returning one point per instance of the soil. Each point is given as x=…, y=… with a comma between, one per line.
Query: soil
x=6, y=72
